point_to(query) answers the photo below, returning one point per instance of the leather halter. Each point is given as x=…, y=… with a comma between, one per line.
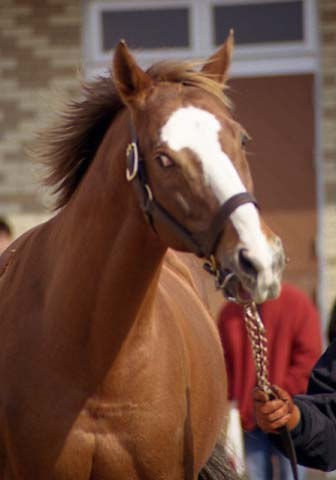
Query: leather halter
x=202, y=243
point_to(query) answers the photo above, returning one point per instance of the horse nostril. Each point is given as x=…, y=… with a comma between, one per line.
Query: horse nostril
x=246, y=263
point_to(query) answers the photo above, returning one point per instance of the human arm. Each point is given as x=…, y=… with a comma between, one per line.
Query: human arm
x=310, y=418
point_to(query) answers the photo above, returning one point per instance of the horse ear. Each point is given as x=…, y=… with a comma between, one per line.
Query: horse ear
x=131, y=81
x=218, y=64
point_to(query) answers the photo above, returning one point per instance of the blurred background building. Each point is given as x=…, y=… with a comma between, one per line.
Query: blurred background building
x=283, y=87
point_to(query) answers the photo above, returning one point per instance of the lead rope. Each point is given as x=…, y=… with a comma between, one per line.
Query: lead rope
x=258, y=340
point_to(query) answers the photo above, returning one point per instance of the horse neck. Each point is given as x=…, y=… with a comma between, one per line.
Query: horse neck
x=115, y=254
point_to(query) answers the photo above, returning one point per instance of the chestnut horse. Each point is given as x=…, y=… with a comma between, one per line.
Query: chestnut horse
x=110, y=365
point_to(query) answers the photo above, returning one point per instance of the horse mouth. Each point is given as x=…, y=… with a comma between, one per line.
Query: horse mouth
x=240, y=289
x=232, y=288
x=228, y=282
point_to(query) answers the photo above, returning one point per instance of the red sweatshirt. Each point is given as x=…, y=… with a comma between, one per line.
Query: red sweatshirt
x=294, y=345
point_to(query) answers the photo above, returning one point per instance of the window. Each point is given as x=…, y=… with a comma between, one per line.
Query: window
x=157, y=28
x=253, y=25
x=146, y=28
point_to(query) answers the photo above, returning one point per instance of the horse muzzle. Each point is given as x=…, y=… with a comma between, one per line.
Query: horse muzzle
x=245, y=275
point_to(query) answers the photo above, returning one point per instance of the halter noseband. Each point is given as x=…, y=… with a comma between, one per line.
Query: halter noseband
x=203, y=243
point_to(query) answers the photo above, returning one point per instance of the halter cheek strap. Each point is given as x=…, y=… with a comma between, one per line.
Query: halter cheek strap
x=203, y=243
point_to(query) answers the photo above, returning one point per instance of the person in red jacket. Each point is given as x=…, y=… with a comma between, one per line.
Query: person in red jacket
x=294, y=344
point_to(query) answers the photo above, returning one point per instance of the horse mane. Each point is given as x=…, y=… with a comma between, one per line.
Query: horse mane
x=68, y=147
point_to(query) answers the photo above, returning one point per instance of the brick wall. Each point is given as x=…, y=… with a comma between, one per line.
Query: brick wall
x=328, y=102
x=40, y=44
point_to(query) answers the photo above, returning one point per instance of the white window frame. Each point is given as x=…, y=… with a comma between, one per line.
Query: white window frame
x=251, y=60
x=275, y=58
x=93, y=50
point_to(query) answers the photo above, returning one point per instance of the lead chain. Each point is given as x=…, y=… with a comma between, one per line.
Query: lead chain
x=254, y=326
x=257, y=336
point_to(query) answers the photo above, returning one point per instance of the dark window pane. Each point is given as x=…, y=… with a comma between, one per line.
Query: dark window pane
x=259, y=23
x=161, y=28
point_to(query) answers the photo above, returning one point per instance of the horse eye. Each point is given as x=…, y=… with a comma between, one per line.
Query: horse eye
x=244, y=139
x=164, y=160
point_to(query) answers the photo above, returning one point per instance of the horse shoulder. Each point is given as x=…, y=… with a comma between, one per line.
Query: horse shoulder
x=189, y=271
x=188, y=309
x=184, y=312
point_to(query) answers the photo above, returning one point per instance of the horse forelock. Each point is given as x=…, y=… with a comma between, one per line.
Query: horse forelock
x=67, y=148
x=185, y=72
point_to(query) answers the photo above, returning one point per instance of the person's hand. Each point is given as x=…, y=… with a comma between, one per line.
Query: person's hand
x=273, y=414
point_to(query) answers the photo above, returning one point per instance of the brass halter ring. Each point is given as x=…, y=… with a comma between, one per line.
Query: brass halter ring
x=132, y=150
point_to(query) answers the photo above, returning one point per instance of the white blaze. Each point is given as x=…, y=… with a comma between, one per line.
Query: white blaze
x=198, y=130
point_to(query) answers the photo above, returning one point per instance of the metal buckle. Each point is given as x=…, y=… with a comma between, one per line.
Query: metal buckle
x=132, y=150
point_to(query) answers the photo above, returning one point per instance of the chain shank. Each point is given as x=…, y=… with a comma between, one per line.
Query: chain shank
x=258, y=341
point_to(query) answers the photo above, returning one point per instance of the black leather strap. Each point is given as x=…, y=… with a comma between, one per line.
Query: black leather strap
x=210, y=237
x=203, y=243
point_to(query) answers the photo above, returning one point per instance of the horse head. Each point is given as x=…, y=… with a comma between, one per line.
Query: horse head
x=188, y=161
